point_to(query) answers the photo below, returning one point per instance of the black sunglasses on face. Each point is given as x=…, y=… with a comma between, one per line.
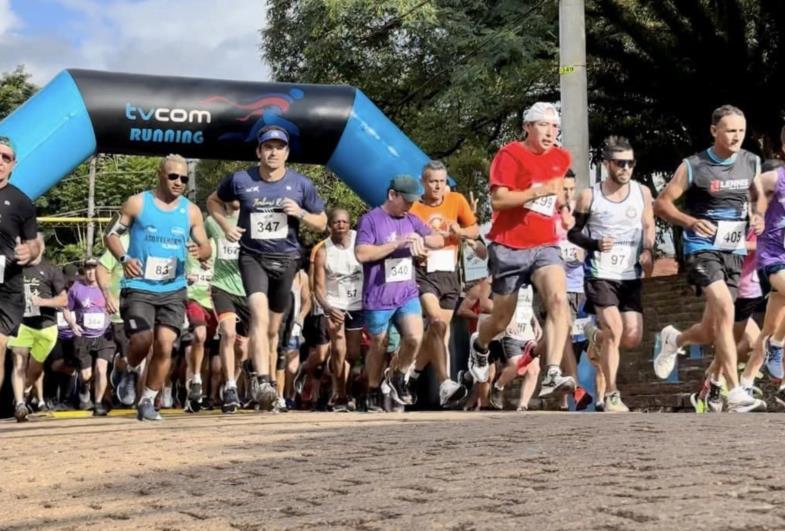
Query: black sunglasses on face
x=8, y=159
x=624, y=163
x=174, y=176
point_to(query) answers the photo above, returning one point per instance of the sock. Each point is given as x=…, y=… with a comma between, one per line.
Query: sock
x=415, y=375
x=553, y=369
x=263, y=378
x=149, y=394
x=479, y=349
x=776, y=343
x=197, y=378
x=230, y=384
x=746, y=382
x=497, y=386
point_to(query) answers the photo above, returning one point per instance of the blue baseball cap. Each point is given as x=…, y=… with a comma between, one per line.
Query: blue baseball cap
x=6, y=141
x=273, y=134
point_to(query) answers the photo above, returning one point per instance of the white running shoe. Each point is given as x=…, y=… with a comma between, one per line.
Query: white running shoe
x=666, y=351
x=740, y=401
x=478, y=362
x=450, y=393
x=555, y=385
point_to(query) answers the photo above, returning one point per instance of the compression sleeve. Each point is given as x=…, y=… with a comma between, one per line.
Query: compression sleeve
x=577, y=236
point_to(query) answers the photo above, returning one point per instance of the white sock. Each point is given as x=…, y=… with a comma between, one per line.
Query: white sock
x=149, y=394
x=499, y=387
x=744, y=382
x=776, y=343
x=230, y=384
x=197, y=378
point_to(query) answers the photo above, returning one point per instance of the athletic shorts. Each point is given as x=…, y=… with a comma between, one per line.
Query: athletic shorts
x=353, y=320
x=743, y=308
x=228, y=305
x=12, y=308
x=377, y=321
x=764, y=273
x=315, y=330
x=271, y=274
x=39, y=342
x=144, y=310
x=198, y=315
x=624, y=294
x=444, y=285
x=63, y=350
x=504, y=349
x=120, y=339
x=513, y=268
x=87, y=349
x=577, y=301
x=706, y=267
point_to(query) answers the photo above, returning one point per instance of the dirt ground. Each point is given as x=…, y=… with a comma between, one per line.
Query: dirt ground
x=446, y=470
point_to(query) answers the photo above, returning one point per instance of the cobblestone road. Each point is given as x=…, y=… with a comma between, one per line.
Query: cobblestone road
x=396, y=471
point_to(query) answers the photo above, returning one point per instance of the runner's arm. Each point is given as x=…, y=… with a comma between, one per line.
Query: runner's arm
x=58, y=301
x=320, y=279
x=198, y=234
x=305, y=298
x=502, y=198
x=371, y=253
x=128, y=213
x=664, y=206
x=581, y=214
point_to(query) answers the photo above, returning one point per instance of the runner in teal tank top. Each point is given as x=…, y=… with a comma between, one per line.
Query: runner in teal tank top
x=152, y=301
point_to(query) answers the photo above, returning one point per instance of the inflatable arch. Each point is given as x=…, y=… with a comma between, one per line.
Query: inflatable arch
x=83, y=112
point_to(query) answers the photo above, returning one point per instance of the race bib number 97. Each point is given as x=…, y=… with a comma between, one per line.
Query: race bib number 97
x=269, y=226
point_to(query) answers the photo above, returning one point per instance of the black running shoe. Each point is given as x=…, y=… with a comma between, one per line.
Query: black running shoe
x=193, y=402
x=21, y=412
x=411, y=386
x=497, y=398
x=100, y=410
x=374, y=401
x=399, y=391
x=231, y=401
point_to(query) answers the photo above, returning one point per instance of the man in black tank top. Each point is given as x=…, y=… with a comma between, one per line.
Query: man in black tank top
x=716, y=186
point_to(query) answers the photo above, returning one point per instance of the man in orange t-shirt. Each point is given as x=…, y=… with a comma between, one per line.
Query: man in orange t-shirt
x=449, y=214
x=526, y=182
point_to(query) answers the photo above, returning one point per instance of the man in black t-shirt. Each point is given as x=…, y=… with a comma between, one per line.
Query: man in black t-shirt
x=44, y=288
x=18, y=246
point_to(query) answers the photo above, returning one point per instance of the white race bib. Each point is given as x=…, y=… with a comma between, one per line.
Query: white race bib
x=94, y=321
x=441, y=260
x=31, y=310
x=350, y=293
x=474, y=267
x=269, y=226
x=204, y=278
x=228, y=250
x=578, y=325
x=2, y=269
x=398, y=269
x=521, y=327
x=61, y=322
x=157, y=268
x=619, y=260
x=730, y=235
x=544, y=205
x=569, y=251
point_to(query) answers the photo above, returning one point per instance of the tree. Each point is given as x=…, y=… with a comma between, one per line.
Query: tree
x=454, y=74
x=15, y=89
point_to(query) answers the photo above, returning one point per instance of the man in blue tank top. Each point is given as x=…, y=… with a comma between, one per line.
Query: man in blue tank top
x=274, y=201
x=615, y=224
x=152, y=301
x=716, y=187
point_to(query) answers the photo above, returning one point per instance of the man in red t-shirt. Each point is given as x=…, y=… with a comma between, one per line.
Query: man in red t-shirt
x=526, y=184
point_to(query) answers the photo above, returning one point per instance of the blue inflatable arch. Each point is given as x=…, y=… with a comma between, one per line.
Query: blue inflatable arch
x=83, y=112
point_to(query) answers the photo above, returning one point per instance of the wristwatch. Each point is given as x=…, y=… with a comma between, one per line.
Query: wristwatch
x=301, y=215
x=124, y=258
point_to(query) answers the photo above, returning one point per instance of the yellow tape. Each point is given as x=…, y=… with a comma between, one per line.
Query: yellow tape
x=568, y=69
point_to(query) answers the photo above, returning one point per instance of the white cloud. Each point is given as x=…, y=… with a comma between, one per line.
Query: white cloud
x=197, y=38
x=7, y=18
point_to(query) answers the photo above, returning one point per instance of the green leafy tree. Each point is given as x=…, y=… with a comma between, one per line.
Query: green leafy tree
x=15, y=89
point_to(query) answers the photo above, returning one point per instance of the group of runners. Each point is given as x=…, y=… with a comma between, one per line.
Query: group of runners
x=228, y=306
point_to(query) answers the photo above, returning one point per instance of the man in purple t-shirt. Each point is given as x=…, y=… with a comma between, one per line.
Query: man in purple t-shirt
x=388, y=241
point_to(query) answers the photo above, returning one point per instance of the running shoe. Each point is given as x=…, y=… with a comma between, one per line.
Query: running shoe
x=265, y=395
x=167, y=400
x=411, y=386
x=582, y=398
x=466, y=379
x=299, y=380
x=780, y=397
x=100, y=410
x=193, y=402
x=374, y=402
x=665, y=352
x=451, y=393
x=279, y=406
x=126, y=391
x=555, y=385
x=231, y=401
x=599, y=407
x=714, y=402
x=497, y=398
x=773, y=361
x=145, y=411
x=740, y=401
x=478, y=362
x=21, y=412
x=341, y=405
x=613, y=403
x=399, y=392
x=698, y=404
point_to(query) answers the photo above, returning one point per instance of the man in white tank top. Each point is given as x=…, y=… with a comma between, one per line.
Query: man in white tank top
x=614, y=222
x=338, y=286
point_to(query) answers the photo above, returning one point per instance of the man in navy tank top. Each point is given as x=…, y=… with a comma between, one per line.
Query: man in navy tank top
x=152, y=301
x=716, y=187
x=614, y=222
x=274, y=201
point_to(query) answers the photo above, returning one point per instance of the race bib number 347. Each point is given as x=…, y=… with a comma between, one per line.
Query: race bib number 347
x=269, y=226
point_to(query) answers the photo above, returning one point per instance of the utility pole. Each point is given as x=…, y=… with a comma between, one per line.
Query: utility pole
x=574, y=87
x=91, y=207
x=191, y=189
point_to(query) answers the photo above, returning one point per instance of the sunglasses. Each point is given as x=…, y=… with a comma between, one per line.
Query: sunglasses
x=174, y=176
x=624, y=163
x=8, y=159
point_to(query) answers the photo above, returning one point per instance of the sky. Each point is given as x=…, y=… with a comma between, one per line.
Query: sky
x=196, y=38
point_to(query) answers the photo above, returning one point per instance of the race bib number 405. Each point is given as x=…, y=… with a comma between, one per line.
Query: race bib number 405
x=157, y=268
x=730, y=235
x=269, y=226
x=398, y=269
